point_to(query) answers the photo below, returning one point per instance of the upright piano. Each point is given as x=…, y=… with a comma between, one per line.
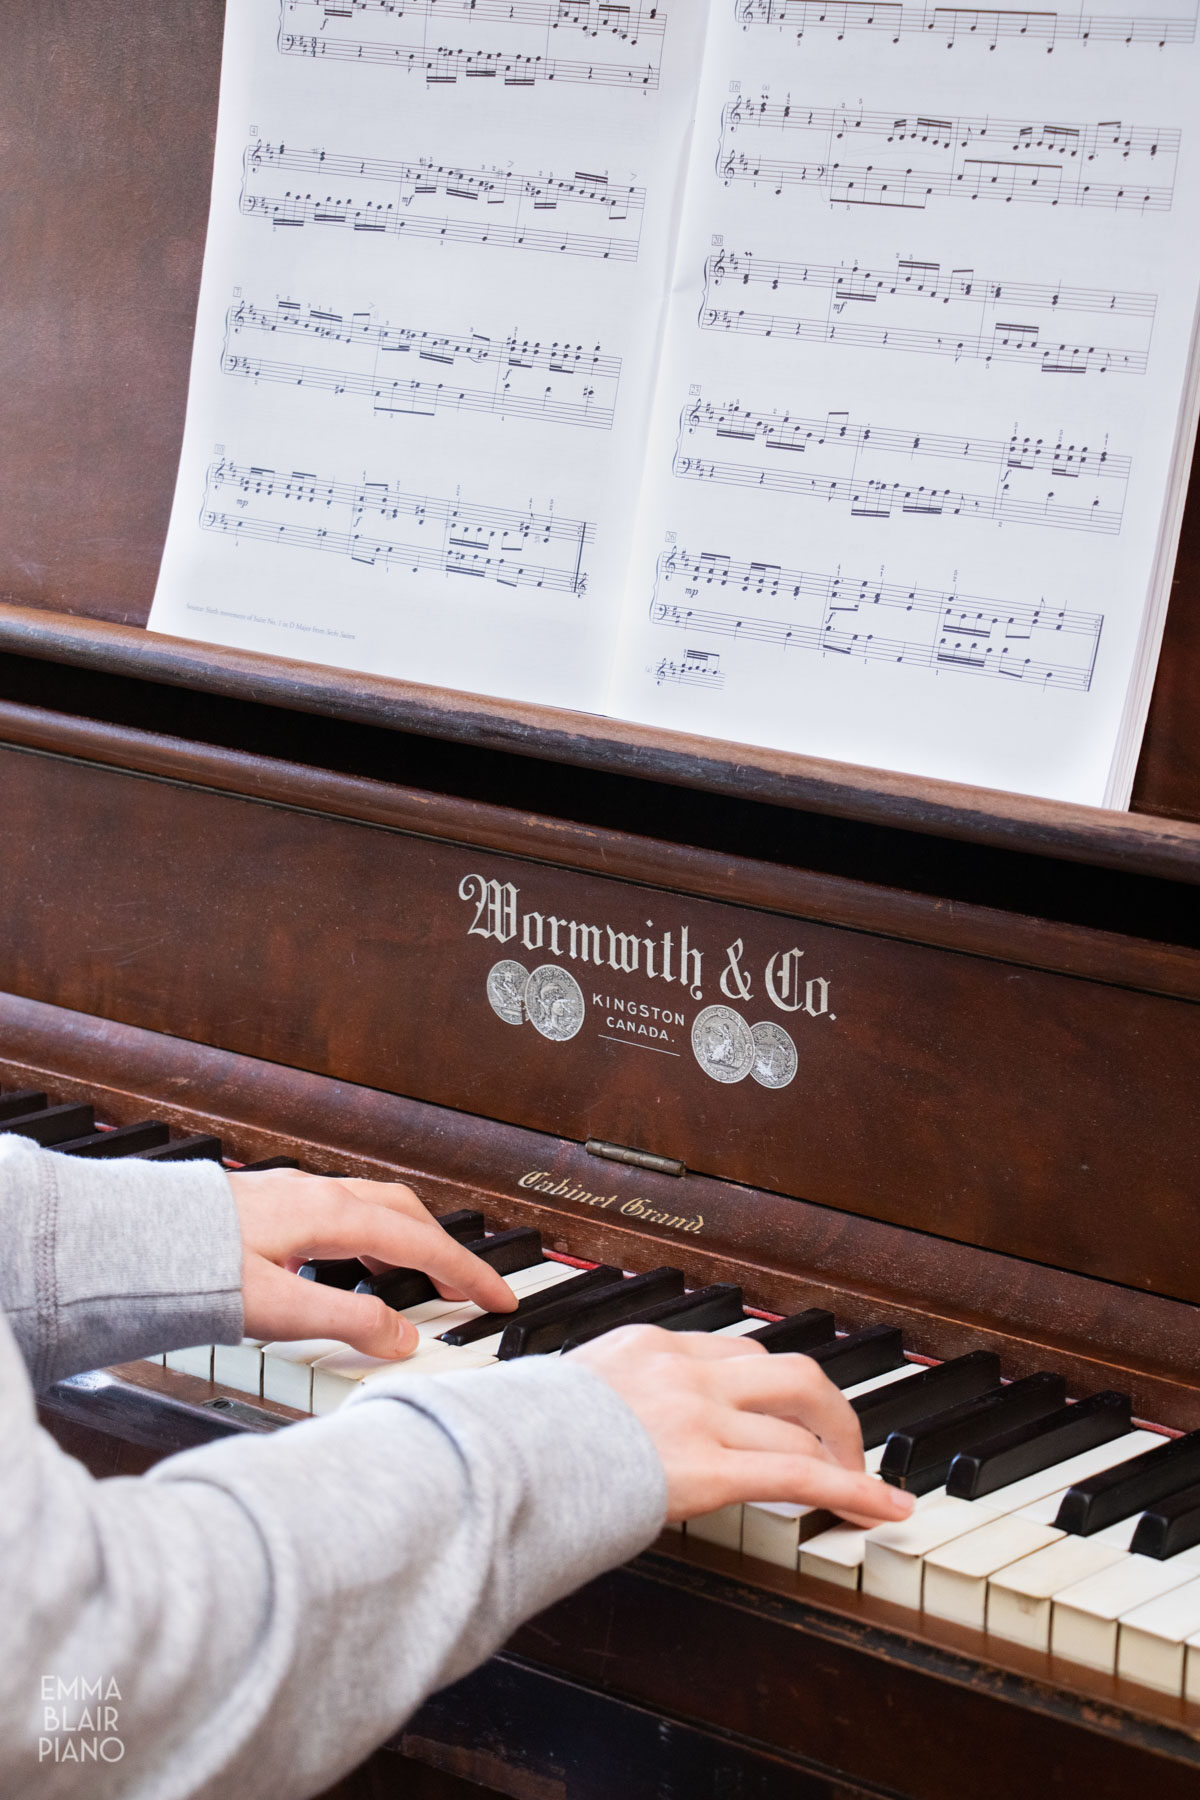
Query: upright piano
x=921, y=1056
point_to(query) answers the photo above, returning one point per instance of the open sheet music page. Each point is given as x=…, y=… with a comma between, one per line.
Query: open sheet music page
x=817, y=374
x=433, y=297
x=921, y=391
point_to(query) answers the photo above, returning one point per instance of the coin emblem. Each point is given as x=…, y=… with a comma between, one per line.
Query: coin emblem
x=775, y=1058
x=722, y=1043
x=506, y=991
x=554, y=1002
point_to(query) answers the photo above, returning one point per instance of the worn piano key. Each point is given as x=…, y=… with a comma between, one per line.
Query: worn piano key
x=122, y=1140
x=19, y=1101
x=505, y=1252
x=343, y=1371
x=1169, y=1526
x=1027, y=1449
x=801, y=1331
x=860, y=1354
x=931, y=1390
x=52, y=1125
x=1084, y=1620
x=342, y=1272
x=918, y=1456
x=1020, y=1597
x=1103, y=1499
x=287, y=1369
x=1152, y=1638
x=201, y=1147
x=574, y=1283
x=239, y=1365
x=611, y=1306
x=195, y=1360
x=701, y=1310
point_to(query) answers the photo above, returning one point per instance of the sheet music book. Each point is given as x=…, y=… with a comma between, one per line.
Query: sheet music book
x=804, y=374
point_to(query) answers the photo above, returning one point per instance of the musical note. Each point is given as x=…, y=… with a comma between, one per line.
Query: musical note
x=696, y=668
x=377, y=524
x=852, y=616
x=852, y=468
x=910, y=159
x=979, y=318
x=578, y=215
x=519, y=39
x=953, y=25
x=524, y=377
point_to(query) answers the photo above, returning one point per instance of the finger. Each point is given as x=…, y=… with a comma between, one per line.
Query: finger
x=391, y=1194
x=739, y=1430
x=282, y=1306
x=766, y=1475
x=401, y=1241
x=795, y=1387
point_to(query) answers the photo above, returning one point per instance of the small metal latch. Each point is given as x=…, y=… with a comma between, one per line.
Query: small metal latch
x=637, y=1159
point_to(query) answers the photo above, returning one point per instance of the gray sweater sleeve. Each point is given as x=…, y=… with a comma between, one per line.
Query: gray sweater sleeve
x=107, y=1261
x=251, y=1618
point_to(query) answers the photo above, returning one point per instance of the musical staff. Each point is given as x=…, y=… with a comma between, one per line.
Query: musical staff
x=512, y=44
x=376, y=524
x=953, y=25
x=1037, y=481
x=979, y=318
x=696, y=668
x=577, y=215
x=907, y=161
x=853, y=616
x=522, y=377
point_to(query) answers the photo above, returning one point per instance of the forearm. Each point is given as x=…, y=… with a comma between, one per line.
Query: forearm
x=272, y=1608
x=109, y=1260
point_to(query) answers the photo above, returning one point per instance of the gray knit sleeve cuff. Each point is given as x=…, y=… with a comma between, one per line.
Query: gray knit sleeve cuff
x=106, y=1261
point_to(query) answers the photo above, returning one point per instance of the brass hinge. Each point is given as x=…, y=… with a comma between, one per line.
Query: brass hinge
x=637, y=1159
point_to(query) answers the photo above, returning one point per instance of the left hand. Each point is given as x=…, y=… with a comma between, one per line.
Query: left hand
x=287, y=1216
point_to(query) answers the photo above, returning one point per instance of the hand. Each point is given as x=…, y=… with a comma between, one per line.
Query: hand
x=287, y=1217
x=732, y=1423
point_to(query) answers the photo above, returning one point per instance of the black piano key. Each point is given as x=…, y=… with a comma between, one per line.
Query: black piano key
x=1028, y=1449
x=345, y=1272
x=201, y=1148
x=802, y=1331
x=918, y=1457
x=19, y=1101
x=904, y=1403
x=267, y=1162
x=588, y=1281
x=465, y=1225
x=53, y=1125
x=1169, y=1526
x=704, y=1309
x=861, y=1355
x=550, y=1328
x=122, y=1140
x=506, y=1252
x=1131, y=1487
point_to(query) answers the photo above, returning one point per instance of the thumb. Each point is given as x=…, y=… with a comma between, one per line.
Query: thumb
x=279, y=1305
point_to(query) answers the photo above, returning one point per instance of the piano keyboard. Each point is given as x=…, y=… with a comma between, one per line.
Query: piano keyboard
x=1057, y=1525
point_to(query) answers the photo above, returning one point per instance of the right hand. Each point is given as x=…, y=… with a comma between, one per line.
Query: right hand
x=732, y=1423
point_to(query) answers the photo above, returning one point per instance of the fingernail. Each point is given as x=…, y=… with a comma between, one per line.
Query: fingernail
x=902, y=1503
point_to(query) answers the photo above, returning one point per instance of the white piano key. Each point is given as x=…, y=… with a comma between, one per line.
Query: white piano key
x=739, y=1328
x=239, y=1365
x=195, y=1361
x=722, y=1527
x=1083, y=1622
x=336, y=1376
x=1034, y=1490
x=956, y=1573
x=837, y=1554
x=287, y=1369
x=884, y=1380
x=1152, y=1639
x=1191, y=1669
x=1020, y=1597
x=893, y=1562
x=774, y=1530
